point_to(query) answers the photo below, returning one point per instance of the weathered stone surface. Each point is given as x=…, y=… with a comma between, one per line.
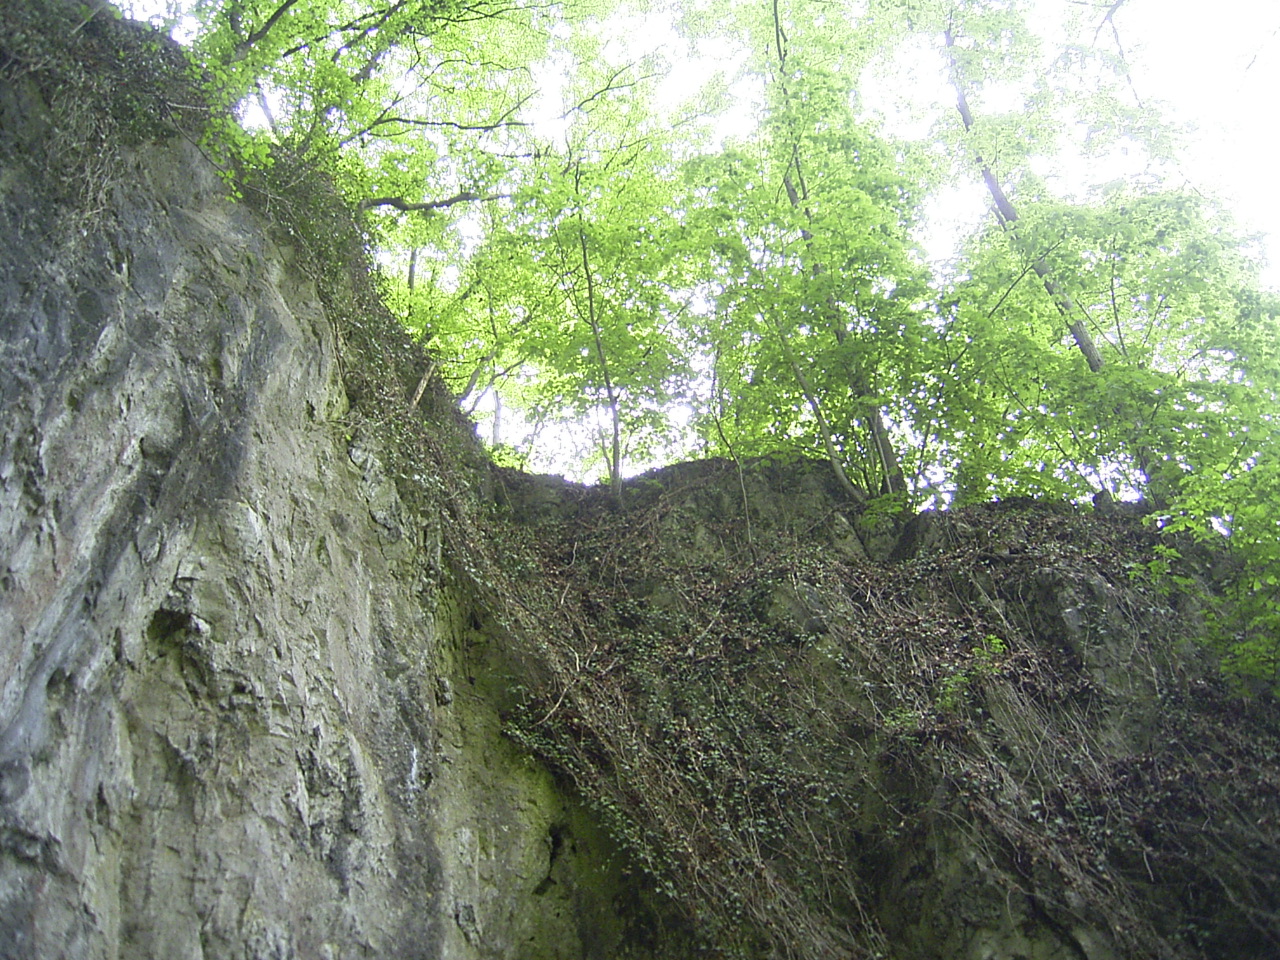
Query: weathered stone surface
x=236, y=717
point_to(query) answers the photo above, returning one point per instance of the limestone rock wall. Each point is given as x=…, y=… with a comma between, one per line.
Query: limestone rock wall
x=238, y=715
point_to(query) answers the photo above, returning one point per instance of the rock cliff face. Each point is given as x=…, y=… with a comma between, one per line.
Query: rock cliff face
x=984, y=734
x=287, y=670
x=235, y=710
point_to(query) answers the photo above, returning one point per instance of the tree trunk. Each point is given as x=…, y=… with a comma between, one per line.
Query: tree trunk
x=1007, y=215
x=615, y=457
x=828, y=440
x=881, y=441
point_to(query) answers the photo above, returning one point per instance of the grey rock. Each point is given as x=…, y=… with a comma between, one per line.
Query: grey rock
x=217, y=649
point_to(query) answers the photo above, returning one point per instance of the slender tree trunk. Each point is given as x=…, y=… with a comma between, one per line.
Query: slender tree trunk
x=1007, y=215
x=798, y=196
x=881, y=441
x=828, y=438
x=615, y=458
x=614, y=455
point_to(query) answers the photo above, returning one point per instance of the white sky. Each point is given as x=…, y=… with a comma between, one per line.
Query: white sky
x=1217, y=64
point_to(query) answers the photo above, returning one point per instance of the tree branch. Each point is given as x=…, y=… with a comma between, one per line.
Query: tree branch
x=451, y=124
x=1106, y=19
x=242, y=48
x=609, y=87
x=400, y=203
x=1007, y=216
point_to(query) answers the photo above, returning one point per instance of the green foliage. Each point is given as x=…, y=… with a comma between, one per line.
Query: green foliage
x=605, y=274
x=953, y=689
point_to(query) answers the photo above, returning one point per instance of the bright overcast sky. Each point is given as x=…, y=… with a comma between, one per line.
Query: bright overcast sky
x=1218, y=66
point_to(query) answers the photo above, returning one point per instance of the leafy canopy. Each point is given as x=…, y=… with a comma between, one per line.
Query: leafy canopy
x=619, y=259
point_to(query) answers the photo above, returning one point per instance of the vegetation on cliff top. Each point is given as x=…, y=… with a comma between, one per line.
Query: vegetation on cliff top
x=732, y=268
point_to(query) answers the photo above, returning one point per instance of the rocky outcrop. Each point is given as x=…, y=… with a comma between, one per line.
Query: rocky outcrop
x=992, y=733
x=239, y=714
